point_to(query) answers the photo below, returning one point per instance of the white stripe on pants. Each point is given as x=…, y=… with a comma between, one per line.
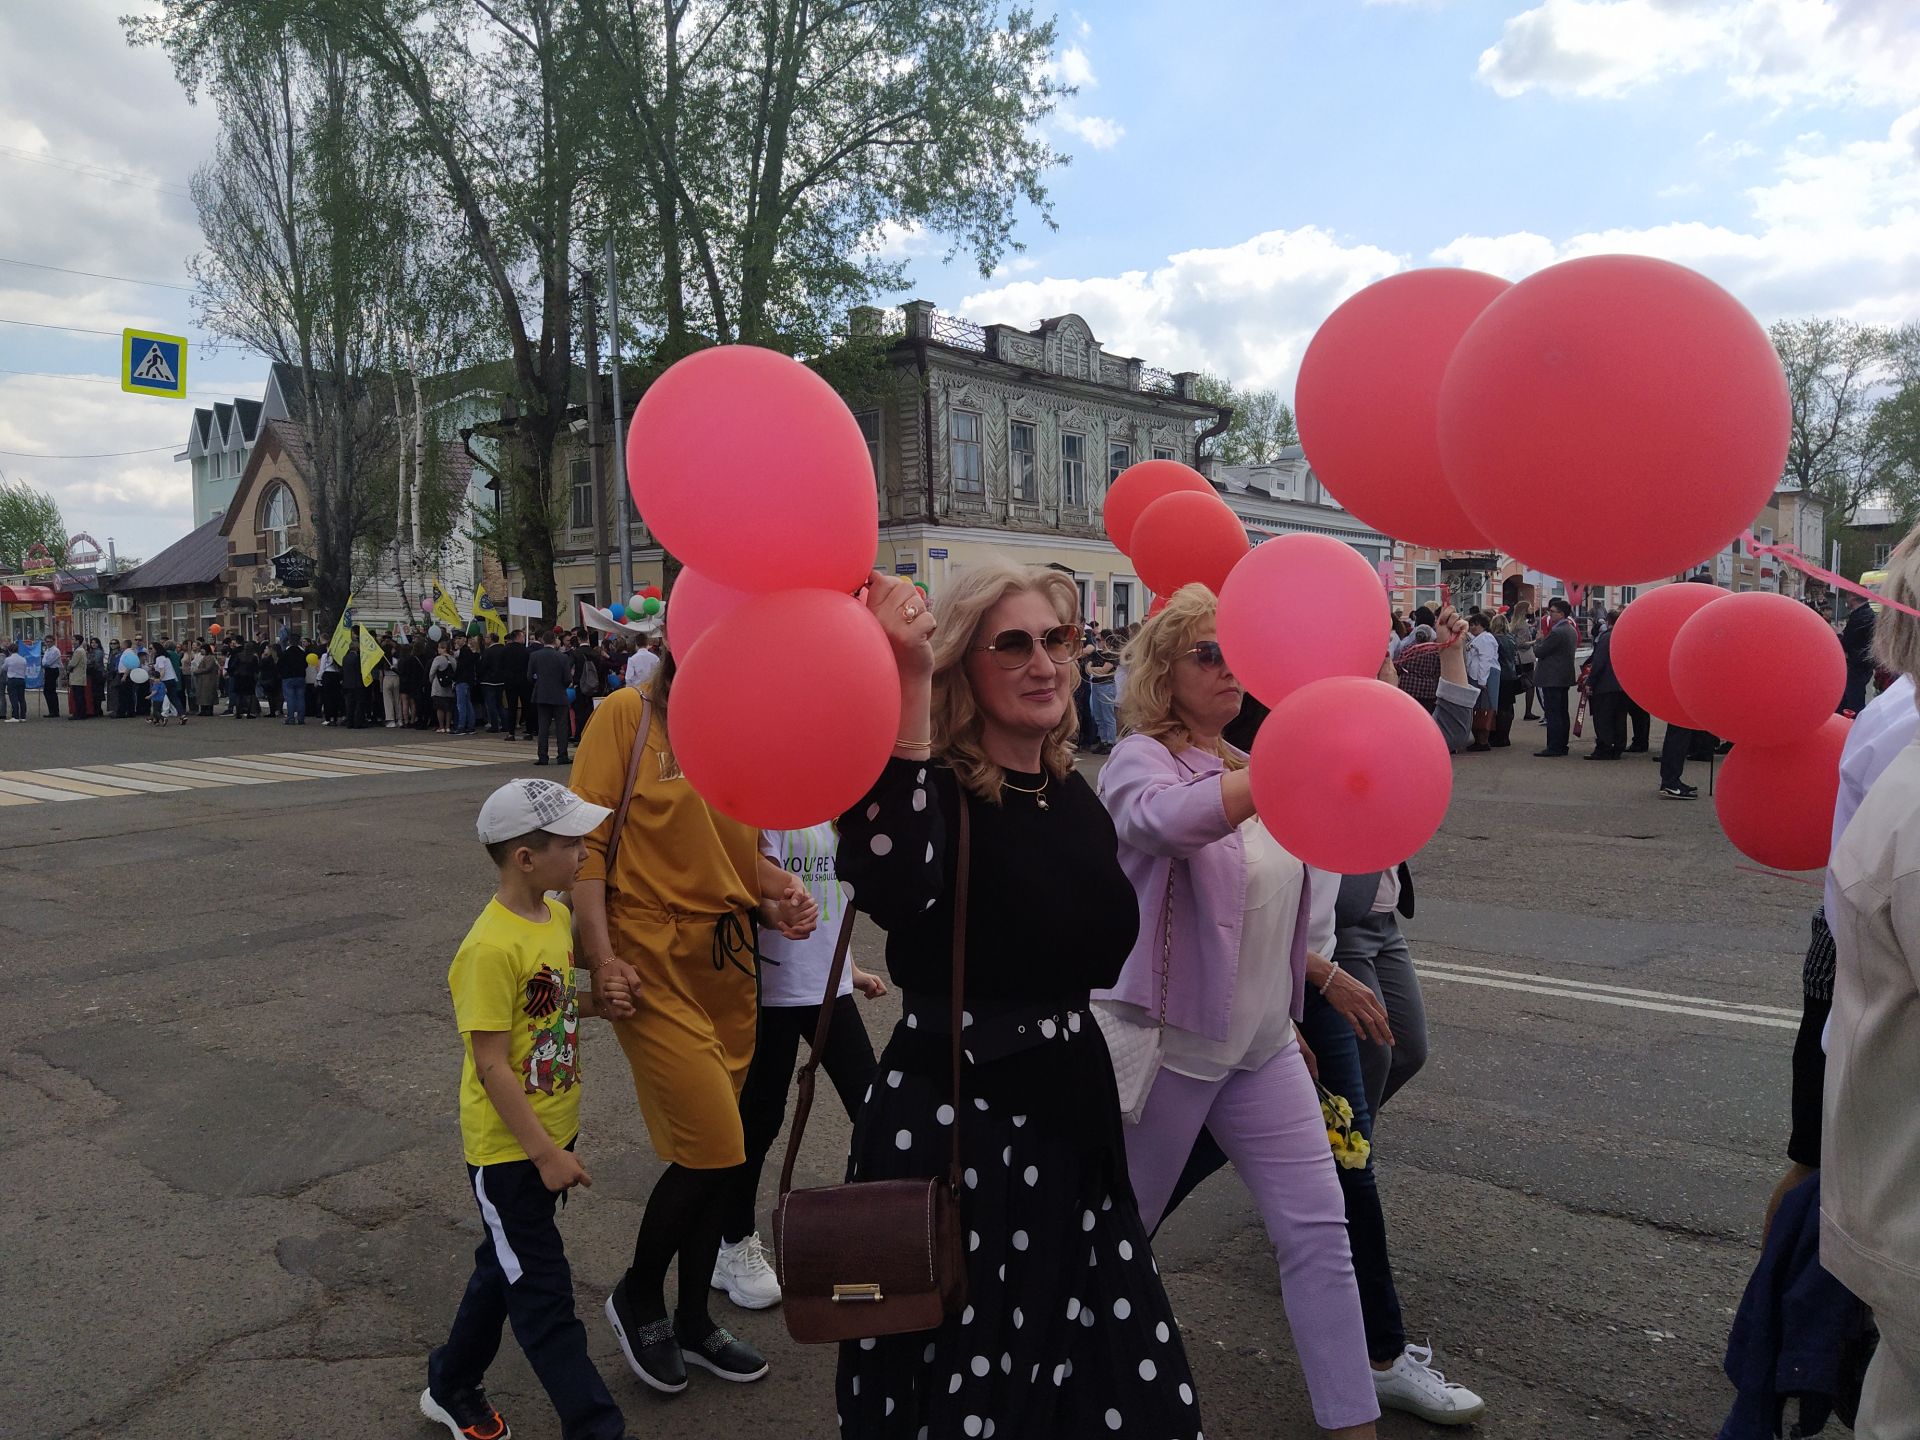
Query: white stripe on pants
x=502, y=1247
x=1268, y=1122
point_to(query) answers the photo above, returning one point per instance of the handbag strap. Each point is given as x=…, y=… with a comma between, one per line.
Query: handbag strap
x=803, y=1107
x=1166, y=943
x=626, y=788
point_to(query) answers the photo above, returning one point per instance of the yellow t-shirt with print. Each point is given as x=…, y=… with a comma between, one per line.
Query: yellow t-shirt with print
x=516, y=975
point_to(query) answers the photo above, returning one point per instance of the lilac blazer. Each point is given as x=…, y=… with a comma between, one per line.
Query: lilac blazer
x=1169, y=814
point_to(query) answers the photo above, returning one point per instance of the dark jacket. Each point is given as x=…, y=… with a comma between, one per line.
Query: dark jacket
x=1857, y=641
x=515, y=663
x=1602, y=678
x=547, y=671
x=493, y=664
x=244, y=666
x=293, y=661
x=466, y=667
x=1553, y=657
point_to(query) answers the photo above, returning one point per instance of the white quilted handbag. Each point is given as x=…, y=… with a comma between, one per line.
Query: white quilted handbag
x=1136, y=1049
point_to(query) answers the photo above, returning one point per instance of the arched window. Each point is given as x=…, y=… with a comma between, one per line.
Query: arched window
x=279, y=513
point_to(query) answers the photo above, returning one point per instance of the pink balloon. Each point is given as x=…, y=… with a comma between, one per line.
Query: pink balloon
x=697, y=602
x=744, y=462
x=1642, y=646
x=1368, y=397
x=1351, y=775
x=1758, y=669
x=1543, y=385
x=833, y=739
x=1301, y=608
x=1185, y=538
x=1775, y=802
x=1137, y=487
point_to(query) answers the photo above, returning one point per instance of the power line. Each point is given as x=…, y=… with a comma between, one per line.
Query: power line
x=94, y=274
x=99, y=380
x=100, y=455
x=95, y=172
x=43, y=325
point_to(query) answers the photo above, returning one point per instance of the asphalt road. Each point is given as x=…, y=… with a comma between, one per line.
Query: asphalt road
x=236, y=1204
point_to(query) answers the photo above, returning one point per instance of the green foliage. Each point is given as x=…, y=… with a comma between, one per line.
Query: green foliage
x=29, y=517
x=1262, y=425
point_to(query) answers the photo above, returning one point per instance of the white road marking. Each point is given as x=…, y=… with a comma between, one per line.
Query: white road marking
x=1564, y=984
x=1711, y=1010
x=107, y=777
x=41, y=792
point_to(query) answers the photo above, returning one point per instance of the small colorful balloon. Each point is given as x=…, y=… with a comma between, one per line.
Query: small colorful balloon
x=617, y=610
x=651, y=606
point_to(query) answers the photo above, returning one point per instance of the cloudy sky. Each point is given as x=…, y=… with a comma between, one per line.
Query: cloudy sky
x=1240, y=166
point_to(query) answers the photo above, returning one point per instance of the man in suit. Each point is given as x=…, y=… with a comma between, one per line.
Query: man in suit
x=1857, y=640
x=547, y=674
x=519, y=707
x=1608, y=698
x=1553, y=674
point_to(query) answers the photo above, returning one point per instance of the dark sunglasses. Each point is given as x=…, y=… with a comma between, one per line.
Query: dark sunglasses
x=1014, y=648
x=1207, y=655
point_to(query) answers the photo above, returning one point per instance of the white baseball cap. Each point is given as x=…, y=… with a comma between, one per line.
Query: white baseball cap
x=521, y=806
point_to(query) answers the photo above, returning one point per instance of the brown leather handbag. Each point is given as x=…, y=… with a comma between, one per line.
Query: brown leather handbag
x=874, y=1257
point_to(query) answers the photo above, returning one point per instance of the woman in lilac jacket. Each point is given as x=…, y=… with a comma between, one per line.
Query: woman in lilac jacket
x=1221, y=964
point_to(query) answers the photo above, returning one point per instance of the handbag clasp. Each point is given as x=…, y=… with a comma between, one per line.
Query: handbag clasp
x=870, y=1293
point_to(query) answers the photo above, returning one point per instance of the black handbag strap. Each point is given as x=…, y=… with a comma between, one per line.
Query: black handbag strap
x=804, y=1105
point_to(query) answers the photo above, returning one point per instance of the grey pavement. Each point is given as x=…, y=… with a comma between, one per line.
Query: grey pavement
x=236, y=1202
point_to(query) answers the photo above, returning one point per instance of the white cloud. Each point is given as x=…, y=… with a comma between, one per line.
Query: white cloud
x=1076, y=69
x=1097, y=130
x=1784, y=51
x=893, y=241
x=1073, y=67
x=1246, y=310
x=1514, y=255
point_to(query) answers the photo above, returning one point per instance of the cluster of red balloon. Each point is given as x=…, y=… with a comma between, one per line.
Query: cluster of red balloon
x=1764, y=672
x=739, y=451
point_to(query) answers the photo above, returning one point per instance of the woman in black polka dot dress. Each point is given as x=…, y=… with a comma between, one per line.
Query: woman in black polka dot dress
x=1067, y=1331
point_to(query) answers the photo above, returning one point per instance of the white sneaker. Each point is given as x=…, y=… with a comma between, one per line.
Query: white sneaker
x=745, y=1273
x=1413, y=1385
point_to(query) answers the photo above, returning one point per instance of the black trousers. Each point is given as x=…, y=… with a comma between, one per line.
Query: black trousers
x=553, y=722
x=520, y=1275
x=849, y=1064
x=519, y=706
x=1609, y=722
x=356, y=707
x=50, y=691
x=1642, y=724
x=1673, y=755
x=1553, y=702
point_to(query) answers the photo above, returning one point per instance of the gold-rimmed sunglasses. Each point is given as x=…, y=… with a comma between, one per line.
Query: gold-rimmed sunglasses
x=1014, y=648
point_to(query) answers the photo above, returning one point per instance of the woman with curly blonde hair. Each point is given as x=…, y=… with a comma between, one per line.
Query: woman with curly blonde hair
x=1067, y=1331
x=1220, y=972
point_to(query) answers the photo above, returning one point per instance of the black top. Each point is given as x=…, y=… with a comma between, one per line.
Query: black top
x=466, y=667
x=493, y=664
x=1051, y=914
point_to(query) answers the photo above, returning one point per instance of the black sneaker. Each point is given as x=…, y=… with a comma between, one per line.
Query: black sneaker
x=651, y=1350
x=468, y=1415
x=721, y=1354
x=1680, y=791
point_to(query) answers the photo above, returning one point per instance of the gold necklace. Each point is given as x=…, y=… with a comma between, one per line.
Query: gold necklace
x=1039, y=795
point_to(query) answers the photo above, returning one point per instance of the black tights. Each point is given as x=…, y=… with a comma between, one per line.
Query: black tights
x=683, y=1219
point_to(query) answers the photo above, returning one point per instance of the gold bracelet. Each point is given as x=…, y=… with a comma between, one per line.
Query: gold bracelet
x=900, y=744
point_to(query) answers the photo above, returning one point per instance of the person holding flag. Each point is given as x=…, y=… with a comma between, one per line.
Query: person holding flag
x=444, y=610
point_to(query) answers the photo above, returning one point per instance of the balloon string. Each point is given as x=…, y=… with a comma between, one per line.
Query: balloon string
x=1786, y=554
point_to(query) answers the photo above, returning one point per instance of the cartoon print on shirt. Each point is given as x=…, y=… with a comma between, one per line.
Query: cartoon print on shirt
x=552, y=1066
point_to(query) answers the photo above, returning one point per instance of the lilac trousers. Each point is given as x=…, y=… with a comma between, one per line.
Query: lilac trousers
x=1268, y=1122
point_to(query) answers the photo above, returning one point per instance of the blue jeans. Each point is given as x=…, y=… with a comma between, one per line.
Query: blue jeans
x=463, y=707
x=496, y=704
x=293, y=696
x=1103, y=710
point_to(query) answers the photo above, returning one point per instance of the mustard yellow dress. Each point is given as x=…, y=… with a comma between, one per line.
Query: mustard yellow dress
x=686, y=878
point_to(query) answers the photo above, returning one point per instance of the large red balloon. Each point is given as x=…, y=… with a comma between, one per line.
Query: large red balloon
x=1775, y=802
x=1351, y=775
x=1137, y=487
x=746, y=463
x=1643, y=646
x=1758, y=669
x=1298, y=609
x=698, y=601
x=1367, y=398
x=1184, y=539
x=832, y=740
x=1615, y=418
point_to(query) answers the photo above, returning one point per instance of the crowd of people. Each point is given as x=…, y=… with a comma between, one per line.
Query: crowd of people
x=539, y=687
x=1193, y=935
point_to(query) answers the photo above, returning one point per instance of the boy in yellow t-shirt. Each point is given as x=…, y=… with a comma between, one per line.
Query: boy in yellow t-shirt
x=518, y=1007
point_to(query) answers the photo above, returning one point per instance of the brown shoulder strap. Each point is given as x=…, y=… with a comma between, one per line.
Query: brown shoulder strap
x=804, y=1105
x=633, y=777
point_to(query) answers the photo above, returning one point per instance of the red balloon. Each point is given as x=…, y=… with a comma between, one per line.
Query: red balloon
x=1137, y=487
x=1616, y=418
x=650, y=592
x=832, y=740
x=1367, y=398
x=1643, y=646
x=1775, y=802
x=1758, y=669
x=1298, y=609
x=1184, y=538
x=697, y=603
x=1351, y=775
x=1159, y=604
x=745, y=462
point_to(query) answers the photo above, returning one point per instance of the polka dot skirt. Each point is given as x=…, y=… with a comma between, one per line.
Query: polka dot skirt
x=1067, y=1331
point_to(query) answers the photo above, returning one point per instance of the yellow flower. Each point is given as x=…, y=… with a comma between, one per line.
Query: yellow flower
x=1336, y=1139
x=1343, y=1109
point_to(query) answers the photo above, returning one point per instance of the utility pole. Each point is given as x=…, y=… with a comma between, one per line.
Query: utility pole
x=602, y=582
x=619, y=427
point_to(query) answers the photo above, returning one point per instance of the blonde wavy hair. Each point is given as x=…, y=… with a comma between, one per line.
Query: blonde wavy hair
x=957, y=718
x=1147, y=707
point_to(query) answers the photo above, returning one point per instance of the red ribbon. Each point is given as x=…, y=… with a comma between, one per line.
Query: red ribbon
x=1788, y=555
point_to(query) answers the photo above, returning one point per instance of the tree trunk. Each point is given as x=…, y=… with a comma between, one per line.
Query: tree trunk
x=533, y=534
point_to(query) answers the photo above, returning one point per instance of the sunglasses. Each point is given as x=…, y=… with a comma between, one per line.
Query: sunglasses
x=1207, y=656
x=1014, y=648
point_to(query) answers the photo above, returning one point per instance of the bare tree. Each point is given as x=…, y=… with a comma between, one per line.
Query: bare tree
x=1832, y=368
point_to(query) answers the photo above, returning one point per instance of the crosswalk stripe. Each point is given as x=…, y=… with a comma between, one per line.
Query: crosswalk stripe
x=6, y=800
x=292, y=772
x=28, y=791
x=191, y=771
x=114, y=774
x=401, y=752
x=107, y=777
x=89, y=786
x=349, y=763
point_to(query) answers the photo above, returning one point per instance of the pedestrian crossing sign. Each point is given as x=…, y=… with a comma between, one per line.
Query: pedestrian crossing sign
x=153, y=364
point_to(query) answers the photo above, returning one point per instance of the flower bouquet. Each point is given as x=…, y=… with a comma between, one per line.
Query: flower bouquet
x=1350, y=1148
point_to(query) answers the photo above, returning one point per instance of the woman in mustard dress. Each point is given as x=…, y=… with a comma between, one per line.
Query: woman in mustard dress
x=673, y=928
